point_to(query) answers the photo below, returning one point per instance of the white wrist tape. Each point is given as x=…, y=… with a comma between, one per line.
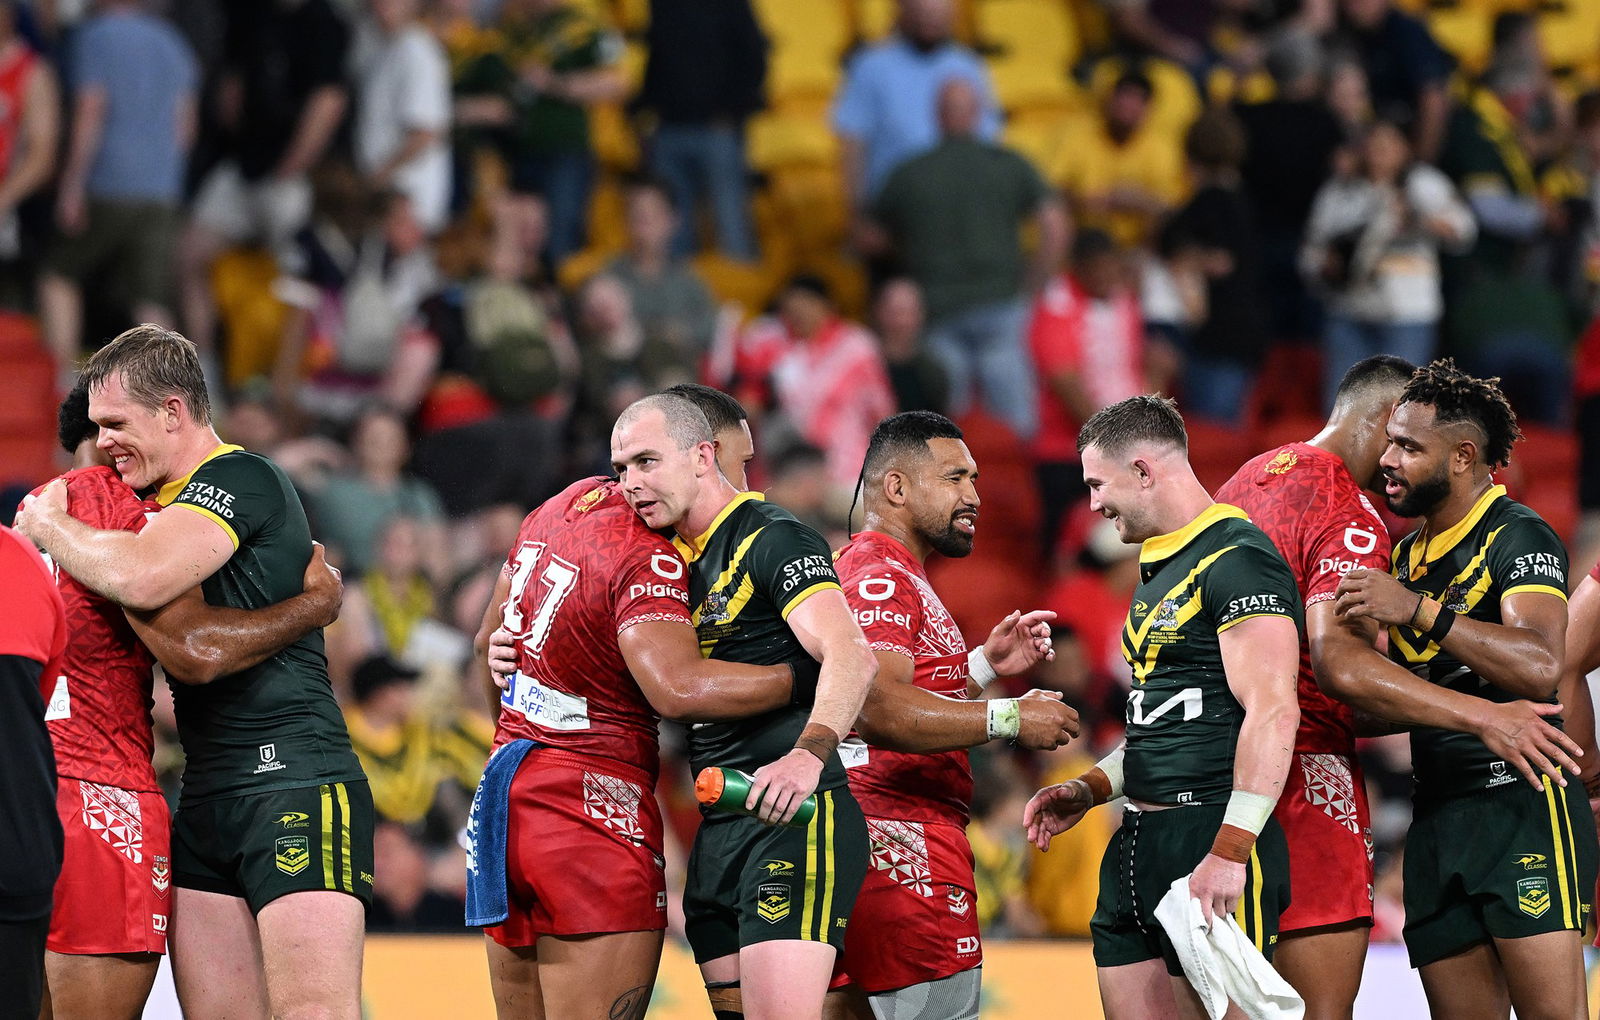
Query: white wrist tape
x=979, y=669
x=1111, y=765
x=1248, y=811
x=1005, y=718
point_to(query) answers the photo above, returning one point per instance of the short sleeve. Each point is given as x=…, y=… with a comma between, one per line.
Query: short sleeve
x=1246, y=581
x=91, y=58
x=238, y=492
x=1526, y=555
x=1346, y=539
x=652, y=586
x=886, y=607
x=789, y=563
x=1031, y=188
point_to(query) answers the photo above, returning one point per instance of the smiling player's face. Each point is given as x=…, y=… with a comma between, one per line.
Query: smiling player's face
x=132, y=435
x=943, y=497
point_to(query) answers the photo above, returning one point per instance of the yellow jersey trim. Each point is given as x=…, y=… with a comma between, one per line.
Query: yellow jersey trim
x=220, y=522
x=1544, y=589
x=1422, y=553
x=1165, y=546
x=794, y=603
x=693, y=548
x=173, y=489
x=1251, y=616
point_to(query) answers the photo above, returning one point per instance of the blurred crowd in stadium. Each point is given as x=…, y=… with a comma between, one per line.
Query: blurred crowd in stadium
x=430, y=249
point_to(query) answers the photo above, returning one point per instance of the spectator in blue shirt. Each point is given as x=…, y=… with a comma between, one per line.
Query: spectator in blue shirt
x=885, y=111
x=133, y=80
x=1408, y=73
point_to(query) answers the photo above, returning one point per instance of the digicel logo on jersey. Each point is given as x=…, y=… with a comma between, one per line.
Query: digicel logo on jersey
x=866, y=617
x=660, y=591
x=1330, y=565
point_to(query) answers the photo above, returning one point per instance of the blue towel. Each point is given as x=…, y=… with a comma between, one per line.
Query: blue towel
x=487, y=825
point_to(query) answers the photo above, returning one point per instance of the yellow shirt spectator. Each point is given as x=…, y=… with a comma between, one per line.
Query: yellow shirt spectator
x=1062, y=885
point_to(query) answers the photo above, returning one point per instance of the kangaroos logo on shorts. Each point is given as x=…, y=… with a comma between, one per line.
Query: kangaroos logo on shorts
x=291, y=854
x=772, y=902
x=1533, y=896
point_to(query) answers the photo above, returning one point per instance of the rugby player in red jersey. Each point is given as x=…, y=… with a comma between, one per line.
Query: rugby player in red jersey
x=597, y=605
x=913, y=945
x=112, y=902
x=1308, y=499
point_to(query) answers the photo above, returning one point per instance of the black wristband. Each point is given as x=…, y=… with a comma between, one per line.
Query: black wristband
x=807, y=671
x=1441, y=626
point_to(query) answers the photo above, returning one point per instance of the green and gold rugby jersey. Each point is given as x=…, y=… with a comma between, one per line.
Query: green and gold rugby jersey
x=747, y=573
x=276, y=725
x=1183, y=722
x=1498, y=549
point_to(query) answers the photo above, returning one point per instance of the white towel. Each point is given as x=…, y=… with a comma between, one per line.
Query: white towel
x=1221, y=964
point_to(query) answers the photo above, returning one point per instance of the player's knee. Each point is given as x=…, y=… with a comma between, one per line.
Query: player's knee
x=727, y=1001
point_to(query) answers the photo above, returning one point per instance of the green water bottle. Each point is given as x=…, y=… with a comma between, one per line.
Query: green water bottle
x=727, y=789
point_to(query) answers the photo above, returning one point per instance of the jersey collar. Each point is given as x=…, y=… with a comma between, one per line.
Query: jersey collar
x=171, y=490
x=693, y=548
x=1162, y=547
x=1424, y=552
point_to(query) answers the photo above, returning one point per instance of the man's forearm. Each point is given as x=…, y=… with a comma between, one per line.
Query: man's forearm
x=105, y=562
x=1387, y=691
x=1517, y=660
x=197, y=643
x=847, y=673
x=903, y=717
x=1266, y=746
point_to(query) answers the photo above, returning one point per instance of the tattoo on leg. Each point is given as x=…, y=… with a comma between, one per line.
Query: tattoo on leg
x=631, y=1004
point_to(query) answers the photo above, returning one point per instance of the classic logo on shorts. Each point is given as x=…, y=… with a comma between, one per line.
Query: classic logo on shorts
x=291, y=854
x=775, y=868
x=269, y=759
x=1283, y=463
x=1533, y=896
x=1532, y=862
x=960, y=902
x=772, y=902
x=160, y=874
x=293, y=820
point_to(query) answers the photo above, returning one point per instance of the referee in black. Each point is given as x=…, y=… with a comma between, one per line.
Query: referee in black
x=33, y=634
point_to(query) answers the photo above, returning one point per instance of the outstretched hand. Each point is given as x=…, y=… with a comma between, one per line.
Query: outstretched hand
x=1054, y=810
x=1019, y=641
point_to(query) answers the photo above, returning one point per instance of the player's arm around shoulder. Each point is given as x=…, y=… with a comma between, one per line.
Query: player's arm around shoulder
x=197, y=643
x=177, y=550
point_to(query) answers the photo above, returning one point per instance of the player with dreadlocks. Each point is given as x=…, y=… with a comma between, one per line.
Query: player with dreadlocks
x=1498, y=877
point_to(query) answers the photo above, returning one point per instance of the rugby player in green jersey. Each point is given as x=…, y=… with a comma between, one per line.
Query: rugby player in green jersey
x=766, y=908
x=1213, y=639
x=272, y=842
x=1499, y=878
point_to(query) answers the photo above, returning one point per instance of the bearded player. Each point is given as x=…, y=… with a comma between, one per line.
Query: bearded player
x=913, y=946
x=1308, y=498
x=108, y=925
x=1498, y=878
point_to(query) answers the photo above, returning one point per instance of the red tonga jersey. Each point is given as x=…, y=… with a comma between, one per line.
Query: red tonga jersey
x=1304, y=498
x=899, y=612
x=585, y=568
x=97, y=705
